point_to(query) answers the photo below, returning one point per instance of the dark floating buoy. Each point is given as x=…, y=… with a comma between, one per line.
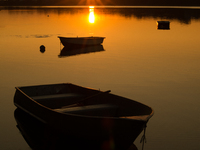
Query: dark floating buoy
x=42, y=48
x=163, y=25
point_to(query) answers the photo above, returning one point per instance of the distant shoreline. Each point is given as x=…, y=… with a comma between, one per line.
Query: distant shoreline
x=81, y=6
x=100, y=3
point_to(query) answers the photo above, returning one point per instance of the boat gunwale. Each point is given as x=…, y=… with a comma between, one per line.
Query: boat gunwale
x=89, y=37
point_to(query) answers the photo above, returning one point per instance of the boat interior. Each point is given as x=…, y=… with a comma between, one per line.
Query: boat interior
x=73, y=99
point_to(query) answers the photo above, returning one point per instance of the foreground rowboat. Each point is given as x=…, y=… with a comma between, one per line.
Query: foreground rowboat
x=90, y=114
x=85, y=41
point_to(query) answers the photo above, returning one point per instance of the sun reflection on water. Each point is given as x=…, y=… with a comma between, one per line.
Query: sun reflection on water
x=91, y=14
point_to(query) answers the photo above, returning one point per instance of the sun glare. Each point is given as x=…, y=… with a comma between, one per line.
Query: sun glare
x=91, y=14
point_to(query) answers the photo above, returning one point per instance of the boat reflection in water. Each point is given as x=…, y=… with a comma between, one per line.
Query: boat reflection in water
x=77, y=50
x=40, y=136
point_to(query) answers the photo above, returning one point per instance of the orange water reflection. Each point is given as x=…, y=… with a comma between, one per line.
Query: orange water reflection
x=156, y=67
x=91, y=14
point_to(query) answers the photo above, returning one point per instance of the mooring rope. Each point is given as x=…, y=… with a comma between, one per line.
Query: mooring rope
x=60, y=45
x=143, y=138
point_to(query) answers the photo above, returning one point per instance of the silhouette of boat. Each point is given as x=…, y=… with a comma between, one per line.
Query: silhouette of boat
x=71, y=51
x=85, y=113
x=164, y=25
x=66, y=41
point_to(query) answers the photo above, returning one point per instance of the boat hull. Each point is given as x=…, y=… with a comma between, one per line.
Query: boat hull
x=118, y=132
x=84, y=41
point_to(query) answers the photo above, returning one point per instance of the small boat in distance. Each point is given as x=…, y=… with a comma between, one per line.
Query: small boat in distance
x=164, y=25
x=93, y=115
x=85, y=41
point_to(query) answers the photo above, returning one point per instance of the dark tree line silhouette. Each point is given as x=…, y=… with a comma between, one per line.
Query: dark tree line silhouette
x=100, y=2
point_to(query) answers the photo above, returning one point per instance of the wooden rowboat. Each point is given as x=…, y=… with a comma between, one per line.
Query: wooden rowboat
x=86, y=113
x=85, y=41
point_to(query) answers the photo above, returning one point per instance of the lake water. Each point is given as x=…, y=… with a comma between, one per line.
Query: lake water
x=159, y=68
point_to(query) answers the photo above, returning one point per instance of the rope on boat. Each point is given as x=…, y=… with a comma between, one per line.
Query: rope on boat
x=143, y=138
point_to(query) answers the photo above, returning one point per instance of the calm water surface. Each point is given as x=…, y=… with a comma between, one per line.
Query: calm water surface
x=157, y=67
